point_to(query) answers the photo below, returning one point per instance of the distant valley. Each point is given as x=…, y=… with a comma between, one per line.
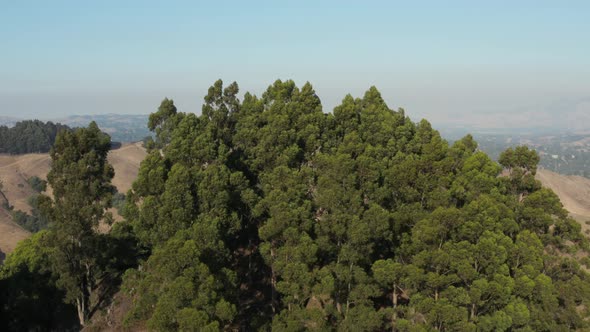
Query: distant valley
x=562, y=152
x=121, y=127
x=567, y=154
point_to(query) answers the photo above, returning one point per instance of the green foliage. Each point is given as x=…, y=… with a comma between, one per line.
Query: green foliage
x=268, y=213
x=362, y=220
x=80, y=178
x=118, y=202
x=162, y=122
x=33, y=222
x=38, y=184
x=521, y=164
x=31, y=136
x=29, y=297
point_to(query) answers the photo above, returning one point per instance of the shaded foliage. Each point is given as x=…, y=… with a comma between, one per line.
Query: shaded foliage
x=38, y=184
x=35, y=221
x=30, y=299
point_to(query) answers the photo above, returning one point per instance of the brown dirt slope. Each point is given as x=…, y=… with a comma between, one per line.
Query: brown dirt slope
x=15, y=170
x=573, y=191
x=10, y=233
x=126, y=162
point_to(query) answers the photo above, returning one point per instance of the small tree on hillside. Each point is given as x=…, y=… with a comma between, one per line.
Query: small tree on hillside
x=81, y=180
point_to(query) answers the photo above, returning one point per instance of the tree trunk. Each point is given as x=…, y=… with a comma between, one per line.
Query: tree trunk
x=251, y=249
x=394, y=316
x=81, y=306
x=88, y=281
x=83, y=301
x=273, y=282
x=348, y=294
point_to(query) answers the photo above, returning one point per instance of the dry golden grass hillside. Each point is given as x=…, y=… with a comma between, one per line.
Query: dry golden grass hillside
x=10, y=233
x=126, y=161
x=573, y=191
x=15, y=170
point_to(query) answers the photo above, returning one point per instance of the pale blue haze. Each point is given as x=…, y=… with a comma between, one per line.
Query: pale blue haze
x=449, y=61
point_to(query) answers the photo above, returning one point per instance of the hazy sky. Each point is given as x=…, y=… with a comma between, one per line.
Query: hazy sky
x=449, y=61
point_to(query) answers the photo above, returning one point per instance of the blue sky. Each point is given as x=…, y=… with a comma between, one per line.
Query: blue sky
x=448, y=61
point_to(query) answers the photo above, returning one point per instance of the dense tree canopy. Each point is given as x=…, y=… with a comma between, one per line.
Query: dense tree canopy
x=31, y=136
x=268, y=213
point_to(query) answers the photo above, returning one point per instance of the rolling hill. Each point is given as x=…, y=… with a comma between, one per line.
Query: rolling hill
x=573, y=191
x=10, y=233
x=16, y=169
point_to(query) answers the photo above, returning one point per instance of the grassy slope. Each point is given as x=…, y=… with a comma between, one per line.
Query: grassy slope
x=15, y=170
x=573, y=191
